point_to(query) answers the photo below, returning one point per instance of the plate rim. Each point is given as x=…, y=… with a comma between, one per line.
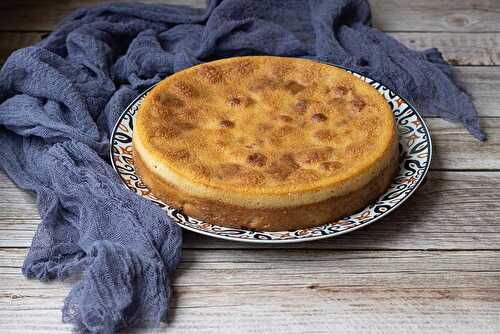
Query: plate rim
x=294, y=240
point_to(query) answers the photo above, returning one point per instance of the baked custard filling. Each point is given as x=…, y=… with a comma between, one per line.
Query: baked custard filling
x=265, y=133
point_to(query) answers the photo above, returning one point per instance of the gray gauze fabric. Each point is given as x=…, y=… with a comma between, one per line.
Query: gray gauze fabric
x=61, y=97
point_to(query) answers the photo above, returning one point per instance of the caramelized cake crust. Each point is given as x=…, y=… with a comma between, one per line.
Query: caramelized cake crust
x=266, y=143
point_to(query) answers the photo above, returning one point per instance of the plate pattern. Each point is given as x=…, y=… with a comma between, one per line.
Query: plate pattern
x=415, y=148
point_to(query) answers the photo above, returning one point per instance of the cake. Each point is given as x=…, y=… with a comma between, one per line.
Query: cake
x=265, y=143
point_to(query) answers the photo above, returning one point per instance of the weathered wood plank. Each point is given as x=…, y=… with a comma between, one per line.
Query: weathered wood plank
x=443, y=15
x=455, y=149
x=297, y=309
x=388, y=15
x=33, y=15
x=11, y=41
x=333, y=311
x=453, y=210
x=315, y=291
x=458, y=48
x=369, y=269
x=481, y=83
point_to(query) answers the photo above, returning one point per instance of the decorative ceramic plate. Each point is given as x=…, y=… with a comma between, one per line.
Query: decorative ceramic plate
x=415, y=157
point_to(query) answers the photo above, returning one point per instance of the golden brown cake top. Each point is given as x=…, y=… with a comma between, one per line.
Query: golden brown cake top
x=265, y=125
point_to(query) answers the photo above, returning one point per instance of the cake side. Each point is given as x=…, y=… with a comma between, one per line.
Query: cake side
x=268, y=219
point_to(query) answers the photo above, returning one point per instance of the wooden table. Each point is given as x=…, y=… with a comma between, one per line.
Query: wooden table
x=431, y=267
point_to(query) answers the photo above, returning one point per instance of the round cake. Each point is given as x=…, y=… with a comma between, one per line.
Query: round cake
x=265, y=143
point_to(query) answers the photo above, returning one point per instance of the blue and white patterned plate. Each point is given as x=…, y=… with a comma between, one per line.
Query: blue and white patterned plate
x=415, y=147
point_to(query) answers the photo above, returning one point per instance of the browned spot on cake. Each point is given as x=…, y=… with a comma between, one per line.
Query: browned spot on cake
x=233, y=101
x=211, y=73
x=182, y=155
x=257, y=159
x=239, y=101
x=330, y=166
x=282, y=168
x=278, y=172
x=318, y=118
x=201, y=169
x=228, y=170
x=300, y=106
x=185, y=126
x=339, y=92
x=264, y=127
x=314, y=155
x=357, y=104
x=284, y=130
x=325, y=135
x=226, y=124
x=294, y=87
x=246, y=101
x=288, y=159
x=168, y=100
x=263, y=83
x=285, y=118
x=185, y=89
x=167, y=132
x=252, y=177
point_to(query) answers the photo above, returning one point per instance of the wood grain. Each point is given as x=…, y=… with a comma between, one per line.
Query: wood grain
x=11, y=41
x=458, y=48
x=44, y=15
x=388, y=15
x=453, y=210
x=455, y=149
x=481, y=83
x=268, y=291
x=431, y=15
